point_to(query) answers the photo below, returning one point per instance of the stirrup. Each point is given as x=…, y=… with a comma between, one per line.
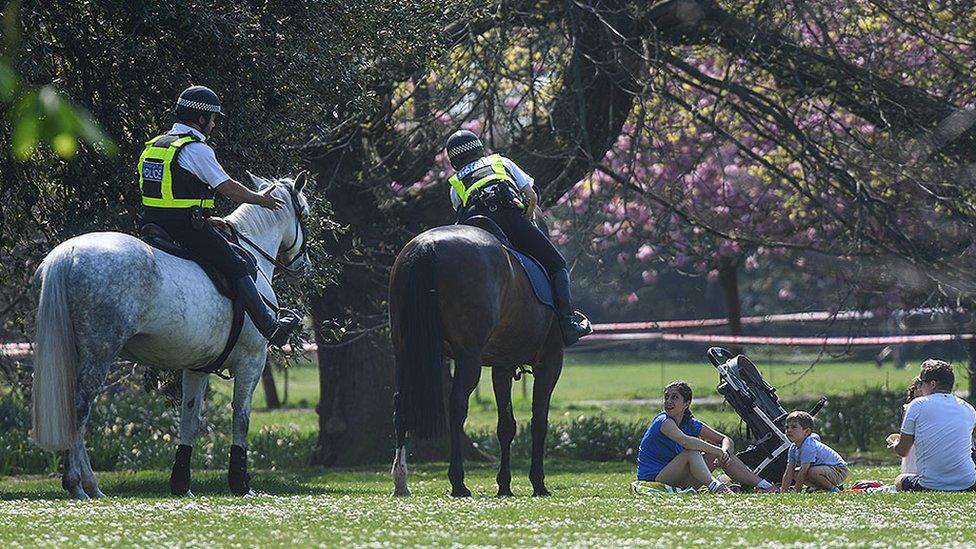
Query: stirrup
x=574, y=327
x=286, y=325
x=582, y=323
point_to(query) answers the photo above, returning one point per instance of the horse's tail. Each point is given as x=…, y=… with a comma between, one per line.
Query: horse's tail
x=55, y=425
x=419, y=404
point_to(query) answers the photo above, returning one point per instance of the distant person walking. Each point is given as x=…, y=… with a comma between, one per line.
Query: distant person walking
x=940, y=427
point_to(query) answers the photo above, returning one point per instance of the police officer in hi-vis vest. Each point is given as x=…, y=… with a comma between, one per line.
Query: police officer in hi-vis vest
x=178, y=174
x=494, y=186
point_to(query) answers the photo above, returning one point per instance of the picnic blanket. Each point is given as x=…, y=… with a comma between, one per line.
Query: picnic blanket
x=651, y=488
x=872, y=487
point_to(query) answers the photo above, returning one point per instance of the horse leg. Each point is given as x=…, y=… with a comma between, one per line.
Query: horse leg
x=501, y=381
x=194, y=384
x=88, y=481
x=546, y=374
x=467, y=372
x=399, y=470
x=78, y=478
x=245, y=381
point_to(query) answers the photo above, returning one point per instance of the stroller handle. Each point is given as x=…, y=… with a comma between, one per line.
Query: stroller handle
x=719, y=356
x=818, y=406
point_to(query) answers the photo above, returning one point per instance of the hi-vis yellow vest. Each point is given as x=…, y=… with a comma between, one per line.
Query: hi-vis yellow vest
x=164, y=183
x=491, y=168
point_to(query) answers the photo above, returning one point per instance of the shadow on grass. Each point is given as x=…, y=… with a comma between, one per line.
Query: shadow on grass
x=155, y=484
x=365, y=480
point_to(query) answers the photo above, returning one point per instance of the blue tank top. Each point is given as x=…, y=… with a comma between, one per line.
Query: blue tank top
x=657, y=450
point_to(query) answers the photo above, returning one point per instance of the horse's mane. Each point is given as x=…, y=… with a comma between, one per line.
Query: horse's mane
x=253, y=219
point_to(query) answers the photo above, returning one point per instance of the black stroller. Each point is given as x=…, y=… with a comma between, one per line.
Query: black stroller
x=756, y=403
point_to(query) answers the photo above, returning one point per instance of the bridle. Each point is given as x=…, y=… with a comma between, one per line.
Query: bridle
x=301, y=231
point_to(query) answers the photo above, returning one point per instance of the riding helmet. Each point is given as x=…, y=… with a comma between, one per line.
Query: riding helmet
x=464, y=147
x=195, y=101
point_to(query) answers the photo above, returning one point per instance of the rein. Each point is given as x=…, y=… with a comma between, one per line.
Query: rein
x=300, y=230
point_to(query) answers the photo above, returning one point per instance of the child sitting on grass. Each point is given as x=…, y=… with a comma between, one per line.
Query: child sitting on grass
x=810, y=461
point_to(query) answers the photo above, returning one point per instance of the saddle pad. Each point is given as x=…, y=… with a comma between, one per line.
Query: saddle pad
x=537, y=276
x=157, y=237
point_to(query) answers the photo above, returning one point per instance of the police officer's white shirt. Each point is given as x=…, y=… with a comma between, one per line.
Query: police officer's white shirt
x=198, y=158
x=942, y=425
x=522, y=179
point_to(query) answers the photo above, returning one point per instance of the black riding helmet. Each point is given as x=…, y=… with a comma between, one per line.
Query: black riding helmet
x=196, y=101
x=464, y=147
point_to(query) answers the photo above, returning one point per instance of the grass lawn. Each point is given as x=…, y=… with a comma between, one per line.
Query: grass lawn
x=595, y=384
x=590, y=506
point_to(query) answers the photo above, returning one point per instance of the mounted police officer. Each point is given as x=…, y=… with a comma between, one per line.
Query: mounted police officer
x=178, y=177
x=494, y=186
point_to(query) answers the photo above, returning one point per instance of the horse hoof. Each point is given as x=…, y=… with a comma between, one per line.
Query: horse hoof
x=78, y=493
x=462, y=492
x=543, y=493
x=505, y=494
x=401, y=492
x=250, y=494
x=94, y=493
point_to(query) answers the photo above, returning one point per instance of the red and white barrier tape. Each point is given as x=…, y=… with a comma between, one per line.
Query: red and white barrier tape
x=605, y=333
x=22, y=350
x=775, y=340
x=817, y=341
x=818, y=316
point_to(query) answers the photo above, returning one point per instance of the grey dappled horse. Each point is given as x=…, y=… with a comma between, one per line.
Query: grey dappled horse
x=103, y=295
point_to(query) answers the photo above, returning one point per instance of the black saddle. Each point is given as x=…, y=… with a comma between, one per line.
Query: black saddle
x=157, y=237
x=541, y=285
x=486, y=223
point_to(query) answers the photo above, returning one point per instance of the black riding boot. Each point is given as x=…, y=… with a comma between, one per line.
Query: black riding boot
x=276, y=331
x=571, y=328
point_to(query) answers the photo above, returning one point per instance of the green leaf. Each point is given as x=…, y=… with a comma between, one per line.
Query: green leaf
x=25, y=137
x=8, y=82
x=65, y=145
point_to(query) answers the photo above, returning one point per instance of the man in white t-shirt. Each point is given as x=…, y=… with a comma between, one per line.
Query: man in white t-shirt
x=940, y=427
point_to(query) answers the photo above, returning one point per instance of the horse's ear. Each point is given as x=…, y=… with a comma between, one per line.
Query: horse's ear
x=300, y=180
x=259, y=182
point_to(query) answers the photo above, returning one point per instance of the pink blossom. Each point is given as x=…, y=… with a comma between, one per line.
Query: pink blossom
x=645, y=252
x=475, y=125
x=444, y=117
x=712, y=276
x=623, y=258
x=631, y=298
x=649, y=276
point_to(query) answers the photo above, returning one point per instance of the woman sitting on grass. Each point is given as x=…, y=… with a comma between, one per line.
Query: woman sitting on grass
x=673, y=449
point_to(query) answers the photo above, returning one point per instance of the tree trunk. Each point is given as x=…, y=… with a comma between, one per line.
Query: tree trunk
x=971, y=370
x=356, y=399
x=728, y=278
x=268, y=382
x=356, y=383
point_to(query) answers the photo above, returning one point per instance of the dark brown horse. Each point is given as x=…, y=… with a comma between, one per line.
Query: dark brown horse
x=454, y=290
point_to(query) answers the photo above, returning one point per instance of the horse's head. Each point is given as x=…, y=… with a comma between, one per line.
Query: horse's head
x=294, y=237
